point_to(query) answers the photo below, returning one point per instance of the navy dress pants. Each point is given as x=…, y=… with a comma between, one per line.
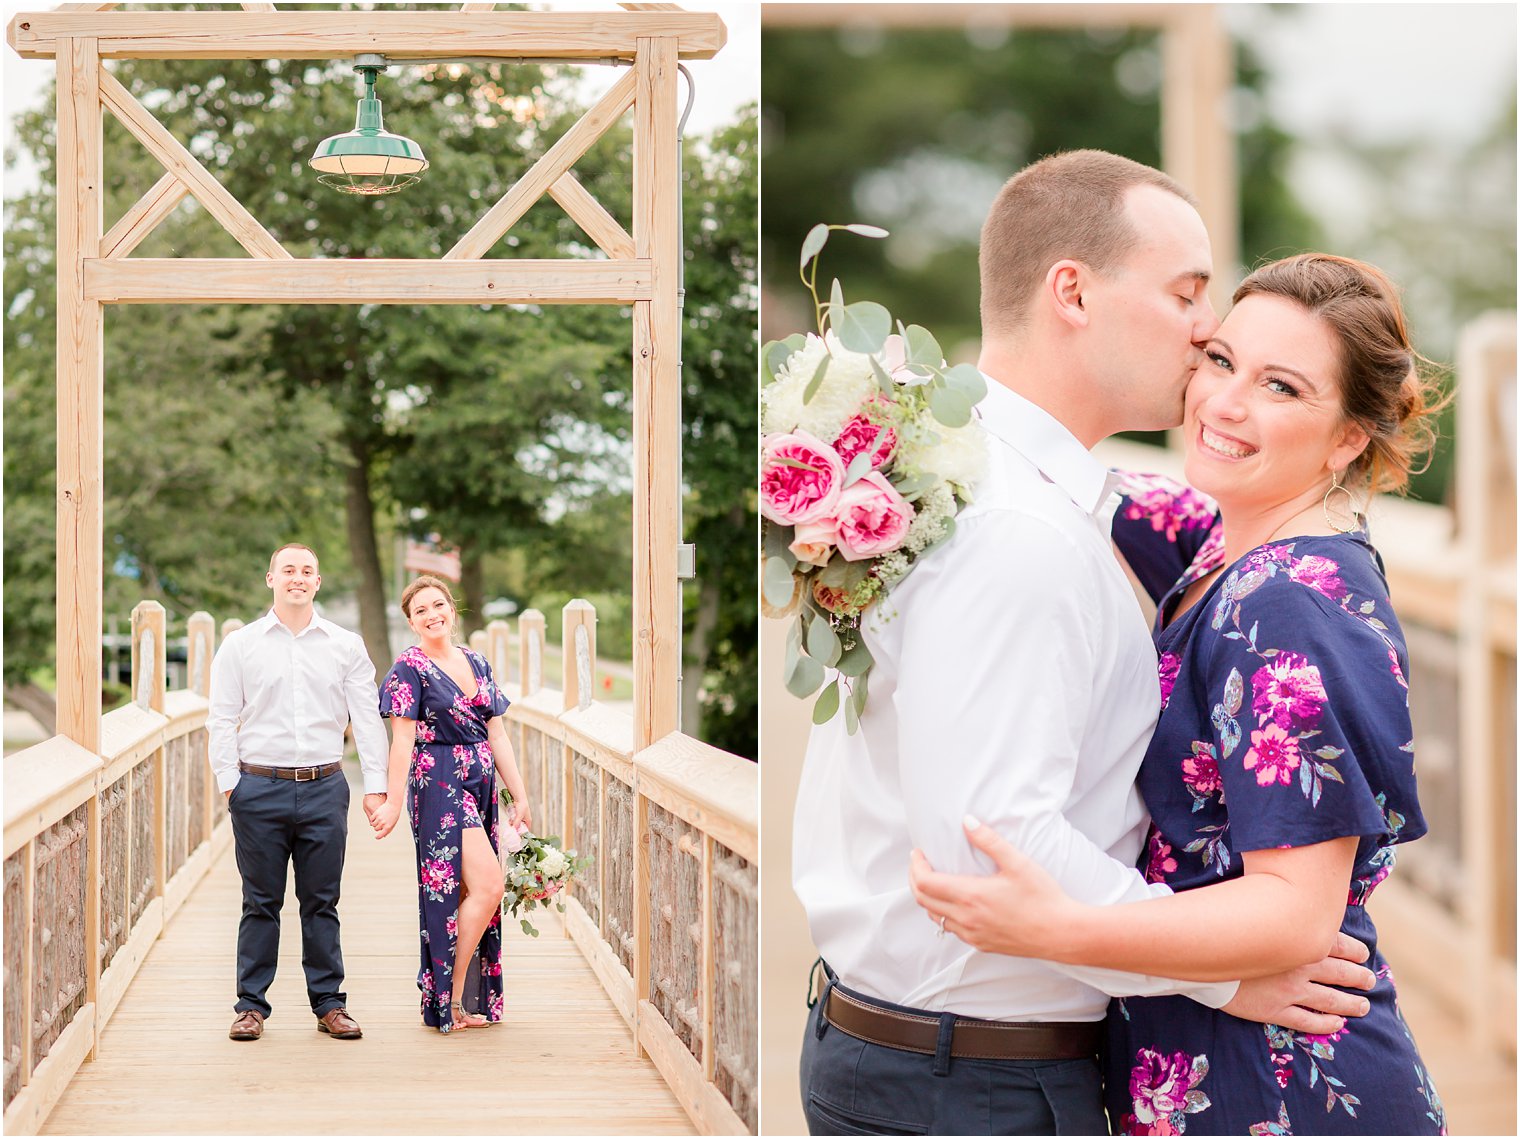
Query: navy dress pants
x=853, y=1087
x=277, y=822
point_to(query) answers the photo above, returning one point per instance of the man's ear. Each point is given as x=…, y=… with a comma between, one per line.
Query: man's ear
x=1063, y=289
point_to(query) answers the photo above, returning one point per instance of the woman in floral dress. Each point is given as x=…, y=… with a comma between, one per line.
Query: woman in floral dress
x=1281, y=776
x=448, y=746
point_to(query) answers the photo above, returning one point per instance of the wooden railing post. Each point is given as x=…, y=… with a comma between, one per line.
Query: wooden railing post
x=148, y=658
x=498, y=648
x=229, y=626
x=200, y=630
x=530, y=663
x=641, y=915
x=578, y=654
x=478, y=641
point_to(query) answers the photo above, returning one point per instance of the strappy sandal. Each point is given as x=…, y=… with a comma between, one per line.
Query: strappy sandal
x=462, y=1019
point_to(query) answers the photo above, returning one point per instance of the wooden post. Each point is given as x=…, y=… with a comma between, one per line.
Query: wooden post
x=92, y=885
x=148, y=692
x=478, y=641
x=1197, y=146
x=498, y=648
x=200, y=630
x=530, y=665
x=81, y=390
x=656, y=397
x=29, y=956
x=641, y=914
x=578, y=653
x=707, y=986
x=229, y=626
x=148, y=655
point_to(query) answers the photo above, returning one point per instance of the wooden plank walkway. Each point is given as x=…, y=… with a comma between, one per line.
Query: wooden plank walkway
x=562, y=1063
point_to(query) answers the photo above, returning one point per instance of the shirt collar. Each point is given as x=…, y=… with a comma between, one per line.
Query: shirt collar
x=1042, y=439
x=318, y=623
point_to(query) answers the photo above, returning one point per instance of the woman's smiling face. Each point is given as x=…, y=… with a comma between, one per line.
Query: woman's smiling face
x=1263, y=424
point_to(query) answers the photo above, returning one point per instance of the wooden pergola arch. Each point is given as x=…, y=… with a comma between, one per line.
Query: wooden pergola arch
x=642, y=269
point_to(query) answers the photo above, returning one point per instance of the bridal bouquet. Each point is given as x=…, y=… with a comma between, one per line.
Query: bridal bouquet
x=535, y=869
x=868, y=452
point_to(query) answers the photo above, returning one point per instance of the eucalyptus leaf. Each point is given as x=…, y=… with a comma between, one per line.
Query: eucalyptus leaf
x=855, y=660
x=915, y=485
x=860, y=691
x=851, y=718
x=968, y=380
x=804, y=677
x=776, y=542
x=777, y=352
x=921, y=346
x=950, y=407
x=822, y=642
x=864, y=230
x=883, y=380
x=813, y=243
x=841, y=574
x=863, y=326
x=827, y=704
x=817, y=381
x=778, y=585
x=859, y=467
x=836, y=304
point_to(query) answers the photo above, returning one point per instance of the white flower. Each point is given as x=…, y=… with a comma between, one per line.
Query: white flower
x=846, y=385
x=958, y=455
x=553, y=864
x=935, y=506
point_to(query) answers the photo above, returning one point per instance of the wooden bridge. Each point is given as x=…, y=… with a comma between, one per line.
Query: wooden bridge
x=634, y=1013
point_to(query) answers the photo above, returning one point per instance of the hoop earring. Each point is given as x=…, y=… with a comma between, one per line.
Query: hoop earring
x=1335, y=485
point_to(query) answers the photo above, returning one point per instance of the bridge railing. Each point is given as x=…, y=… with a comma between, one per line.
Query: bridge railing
x=667, y=914
x=100, y=851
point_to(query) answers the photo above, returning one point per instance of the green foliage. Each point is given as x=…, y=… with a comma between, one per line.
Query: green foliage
x=916, y=130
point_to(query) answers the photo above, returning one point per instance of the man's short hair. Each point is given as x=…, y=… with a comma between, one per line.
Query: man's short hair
x=1068, y=205
x=293, y=546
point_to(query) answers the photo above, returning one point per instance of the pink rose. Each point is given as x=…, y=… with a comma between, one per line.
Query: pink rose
x=800, y=478
x=873, y=518
x=813, y=542
x=859, y=433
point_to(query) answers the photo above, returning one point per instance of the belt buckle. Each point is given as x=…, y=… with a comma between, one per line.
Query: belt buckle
x=305, y=778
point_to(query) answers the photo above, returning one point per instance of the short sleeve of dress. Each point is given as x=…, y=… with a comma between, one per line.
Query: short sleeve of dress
x=498, y=703
x=401, y=694
x=1309, y=706
x=1160, y=526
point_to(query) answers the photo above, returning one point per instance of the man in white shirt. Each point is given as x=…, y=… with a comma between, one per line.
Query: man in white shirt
x=1015, y=680
x=283, y=690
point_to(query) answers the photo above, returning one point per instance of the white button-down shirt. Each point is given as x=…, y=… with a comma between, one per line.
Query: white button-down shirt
x=1015, y=680
x=282, y=699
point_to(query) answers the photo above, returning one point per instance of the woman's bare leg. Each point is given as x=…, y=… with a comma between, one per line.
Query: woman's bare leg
x=481, y=898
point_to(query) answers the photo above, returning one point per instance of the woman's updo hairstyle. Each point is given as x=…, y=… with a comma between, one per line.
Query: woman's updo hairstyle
x=426, y=581
x=1383, y=390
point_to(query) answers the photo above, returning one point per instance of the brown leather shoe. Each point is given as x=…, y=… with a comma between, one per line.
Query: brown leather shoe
x=249, y=1025
x=340, y=1025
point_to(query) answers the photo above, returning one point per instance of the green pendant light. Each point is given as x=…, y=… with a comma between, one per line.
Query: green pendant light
x=368, y=160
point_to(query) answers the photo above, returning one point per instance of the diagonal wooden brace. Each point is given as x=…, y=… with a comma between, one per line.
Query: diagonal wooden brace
x=545, y=172
x=143, y=218
x=176, y=159
x=588, y=213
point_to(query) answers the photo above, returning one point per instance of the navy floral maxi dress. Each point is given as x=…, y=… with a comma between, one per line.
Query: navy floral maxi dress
x=1285, y=722
x=453, y=786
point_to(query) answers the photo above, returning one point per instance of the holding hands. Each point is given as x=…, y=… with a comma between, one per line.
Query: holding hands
x=383, y=812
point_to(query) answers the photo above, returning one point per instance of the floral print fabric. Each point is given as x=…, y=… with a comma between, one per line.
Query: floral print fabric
x=452, y=785
x=1285, y=722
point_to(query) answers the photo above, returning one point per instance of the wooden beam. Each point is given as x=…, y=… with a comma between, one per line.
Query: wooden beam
x=949, y=15
x=143, y=218
x=302, y=34
x=476, y=7
x=656, y=399
x=142, y=280
x=588, y=213
x=545, y=172
x=81, y=395
x=171, y=153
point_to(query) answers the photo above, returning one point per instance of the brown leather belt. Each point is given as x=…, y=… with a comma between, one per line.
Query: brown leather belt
x=299, y=774
x=972, y=1039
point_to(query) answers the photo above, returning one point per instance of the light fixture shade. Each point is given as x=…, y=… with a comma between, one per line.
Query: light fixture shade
x=369, y=159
